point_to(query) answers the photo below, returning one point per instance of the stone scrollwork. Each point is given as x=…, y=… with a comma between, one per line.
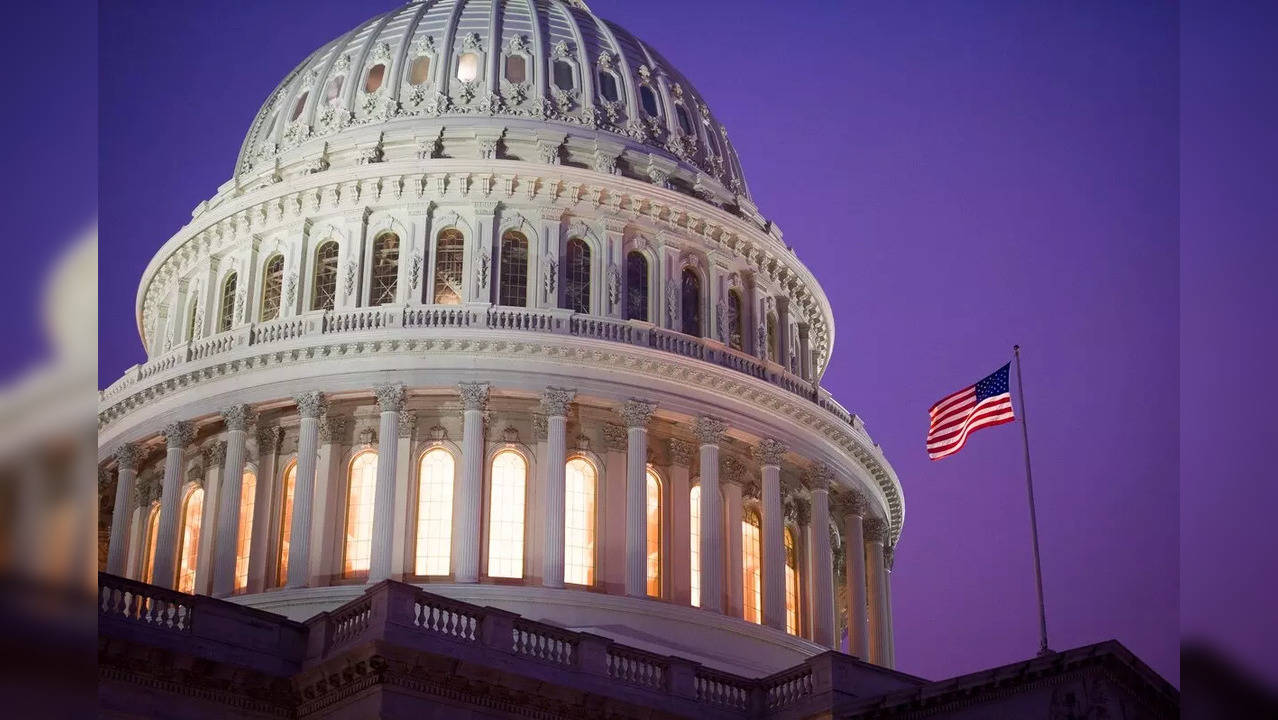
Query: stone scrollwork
x=819, y=476
x=333, y=428
x=390, y=396
x=352, y=268
x=407, y=423
x=215, y=453
x=311, y=404
x=770, y=451
x=732, y=470
x=474, y=395
x=614, y=286
x=709, y=429
x=237, y=417
x=482, y=263
x=681, y=451
x=127, y=456
x=555, y=401
x=179, y=434
x=615, y=439
x=269, y=438
x=637, y=413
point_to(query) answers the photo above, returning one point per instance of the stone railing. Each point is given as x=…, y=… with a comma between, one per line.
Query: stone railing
x=150, y=605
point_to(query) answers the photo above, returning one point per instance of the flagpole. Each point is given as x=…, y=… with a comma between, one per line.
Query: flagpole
x=1029, y=485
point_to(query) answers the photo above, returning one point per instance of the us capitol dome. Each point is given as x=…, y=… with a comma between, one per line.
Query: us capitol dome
x=487, y=308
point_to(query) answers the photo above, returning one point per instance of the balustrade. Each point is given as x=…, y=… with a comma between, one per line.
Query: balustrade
x=441, y=616
x=723, y=689
x=637, y=667
x=790, y=687
x=149, y=605
x=545, y=642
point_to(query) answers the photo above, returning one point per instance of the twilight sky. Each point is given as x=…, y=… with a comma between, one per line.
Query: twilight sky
x=960, y=177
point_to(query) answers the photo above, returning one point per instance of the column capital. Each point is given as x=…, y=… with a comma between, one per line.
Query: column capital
x=853, y=502
x=105, y=476
x=127, y=456
x=819, y=476
x=874, y=529
x=474, y=395
x=770, y=451
x=179, y=434
x=555, y=401
x=311, y=404
x=615, y=437
x=390, y=396
x=146, y=491
x=540, y=429
x=268, y=438
x=799, y=510
x=681, y=451
x=237, y=417
x=333, y=427
x=709, y=429
x=732, y=470
x=636, y=413
x=407, y=423
x=215, y=453
x=889, y=556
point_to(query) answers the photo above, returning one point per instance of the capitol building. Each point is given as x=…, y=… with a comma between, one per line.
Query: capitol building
x=485, y=357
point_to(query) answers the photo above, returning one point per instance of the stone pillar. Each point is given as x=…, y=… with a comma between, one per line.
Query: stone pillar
x=803, y=519
x=176, y=437
x=237, y=418
x=875, y=530
x=709, y=431
x=888, y=561
x=822, y=562
x=404, y=494
x=854, y=563
x=126, y=465
x=309, y=405
x=768, y=454
x=326, y=524
x=214, y=461
x=268, y=444
x=637, y=413
x=731, y=477
x=554, y=405
x=390, y=397
x=467, y=513
x=805, y=354
x=679, y=581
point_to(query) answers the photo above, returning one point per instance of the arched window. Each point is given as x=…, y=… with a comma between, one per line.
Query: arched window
x=373, y=81
x=226, y=313
x=148, y=548
x=685, y=124
x=299, y=106
x=506, y=515
x=516, y=68
x=449, y=257
x=654, y=534
x=774, y=350
x=434, y=513
x=333, y=91
x=244, y=536
x=385, y=269
x=691, y=302
x=272, y=288
x=577, y=276
x=791, y=584
x=324, y=296
x=608, y=86
x=286, y=523
x=420, y=72
x=579, y=521
x=752, y=565
x=636, y=286
x=189, y=539
x=191, y=320
x=512, y=287
x=694, y=538
x=734, y=320
x=563, y=75
x=648, y=99
x=361, y=485
x=468, y=67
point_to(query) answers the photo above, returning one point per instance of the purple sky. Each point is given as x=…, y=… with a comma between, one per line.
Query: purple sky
x=960, y=177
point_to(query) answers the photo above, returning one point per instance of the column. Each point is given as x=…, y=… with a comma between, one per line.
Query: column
x=309, y=405
x=214, y=461
x=390, y=397
x=326, y=524
x=554, y=405
x=237, y=419
x=126, y=467
x=467, y=513
x=637, y=413
x=853, y=510
x=889, y=554
x=268, y=443
x=805, y=355
x=822, y=562
x=731, y=476
x=403, y=494
x=874, y=530
x=769, y=453
x=709, y=431
x=176, y=437
x=679, y=580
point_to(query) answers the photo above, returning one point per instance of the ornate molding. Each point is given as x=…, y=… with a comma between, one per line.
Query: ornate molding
x=238, y=417
x=407, y=423
x=874, y=529
x=474, y=395
x=311, y=404
x=555, y=401
x=179, y=434
x=540, y=429
x=681, y=451
x=637, y=413
x=332, y=428
x=732, y=470
x=390, y=396
x=127, y=456
x=215, y=453
x=615, y=437
x=770, y=451
x=709, y=429
x=819, y=477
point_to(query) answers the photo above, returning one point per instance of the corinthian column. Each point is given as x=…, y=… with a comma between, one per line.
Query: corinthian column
x=853, y=510
x=875, y=531
x=554, y=405
x=126, y=467
x=637, y=413
x=176, y=437
x=823, y=565
x=466, y=515
x=709, y=431
x=391, y=399
x=768, y=454
x=310, y=406
x=731, y=478
x=237, y=419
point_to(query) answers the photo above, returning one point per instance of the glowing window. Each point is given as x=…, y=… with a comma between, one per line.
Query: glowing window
x=244, y=539
x=516, y=68
x=694, y=505
x=577, y=276
x=325, y=294
x=385, y=269
x=226, y=314
x=752, y=566
x=468, y=67
x=506, y=515
x=648, y=99
x=579, y=522
x=333, y=91
x=685, y=124
x=691, y=302
x=148, y=549
x=434, y=513
x=734, y=320
x=563, y=75
x=299, y=106
x=189, y=537
x=791, y=584
x=449, y=259
x=361, y=486
x=272, y=287
x=286, y=523
x=636, y=286
x=513, y=286
x=376, y=75
x=654, y=534
x=608, y=86
x=420, y=72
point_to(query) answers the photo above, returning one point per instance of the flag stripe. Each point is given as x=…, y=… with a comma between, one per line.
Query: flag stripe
x=994, y=405
x=977, y=422
x=956, y=416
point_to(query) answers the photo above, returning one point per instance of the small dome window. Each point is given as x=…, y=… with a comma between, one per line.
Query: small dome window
x=468, y=67
x=648, y=99
x=420, y=71
x=333, y=91
x=299, y=107
x=376, y=75
x=563, y=75
x=516, y=68
x=608, y=86
x=685, y=123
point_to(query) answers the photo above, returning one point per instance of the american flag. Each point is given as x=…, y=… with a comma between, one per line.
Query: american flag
x=955, y=416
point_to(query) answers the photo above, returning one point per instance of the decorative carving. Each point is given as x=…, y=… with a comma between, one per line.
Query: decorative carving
x=488, y=147
x=581, y=443
x=680, y=451
x=854, y=502
x=709, y=429
x=351, y=269
x=127, y=456
x=672, y=304
x=889, y=557
x=770, y=451
x=637, y=412
x=550, y=277
x=874, y=529
x=311, y=404
x=539, y=426
x=750, y=490
x=510, y=434
x=615, y=437
x=482, y=263
x=367, y=436
x=548, y=152
x=438, y=433
x=390, y=396
x=106, y=479
x=799, y=510
x=555, y=401
x=819, y=476
x=474, y=395
x=407, y=423
x=215, y=453
x=179, y=434
x=290, y=289
x=614, y=286
x=721, y=321
x=237, y=417
x=732, y=470
x=269, y=438
x=333, y=428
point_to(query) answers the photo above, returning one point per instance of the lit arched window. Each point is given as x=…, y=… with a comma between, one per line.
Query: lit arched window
x=325, y=293
x=226, y=313
x=512, y=287
x=791, y=584
x=361, y=485
x=333, y=91
x=385, y=269
x=272, y=287
x=654, y=534
x=189, y=537
x=734, y=320
x=286, y=523
x=467, y=67
x=506, y=515
x=420, y=71
x=434, y=512
x=244, y=538
x=694, y=505
x=148, y=548
x=577, y=276
x=774, y=352
x=608, y=86
x=449, y=257
x=752, y=565
x=648, y=99
x=579, y=522
x=636, y=286
x=376, y=74
x=516, y=68
x=691, y=302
